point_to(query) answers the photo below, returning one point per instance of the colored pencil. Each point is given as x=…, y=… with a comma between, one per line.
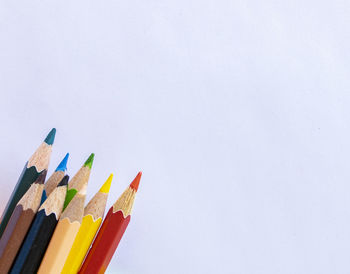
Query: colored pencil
x=39, y=235
x=64, y=235
x=20, y=222
x=57, y=176
x=36, y=164
x=92, y=219
x=111, y=231
x=79, y=180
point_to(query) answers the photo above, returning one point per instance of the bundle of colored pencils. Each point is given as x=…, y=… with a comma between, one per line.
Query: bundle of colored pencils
x=45, y=227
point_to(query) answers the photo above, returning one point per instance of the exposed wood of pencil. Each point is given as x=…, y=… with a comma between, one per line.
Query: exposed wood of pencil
x=41, y=157
x=36, y=164
x=64, y=235
x=19, y=223
x=92, y=219
x=57, y=176
x=39, y=235
x=79, y=180
x=52, y=182
x=111, y=231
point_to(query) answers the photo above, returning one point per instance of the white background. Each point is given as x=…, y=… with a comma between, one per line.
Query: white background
x=237, y=112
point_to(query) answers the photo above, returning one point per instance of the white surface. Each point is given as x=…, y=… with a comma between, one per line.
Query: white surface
x=237, y=112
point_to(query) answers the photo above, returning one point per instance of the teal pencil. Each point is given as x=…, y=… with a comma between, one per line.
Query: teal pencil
x=38, y=163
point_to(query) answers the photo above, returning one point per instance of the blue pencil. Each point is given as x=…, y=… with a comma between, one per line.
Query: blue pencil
x=57, y=176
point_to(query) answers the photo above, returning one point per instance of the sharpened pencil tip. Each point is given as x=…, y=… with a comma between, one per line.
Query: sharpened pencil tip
x=41, y=178
x=107, y=185
x=50, y=138
x=90, y=160
x=135, y=183
x=63, y=165
x=64, y=181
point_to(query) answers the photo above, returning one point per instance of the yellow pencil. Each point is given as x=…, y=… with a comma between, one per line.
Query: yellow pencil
x=92, y=219
x=64, y=235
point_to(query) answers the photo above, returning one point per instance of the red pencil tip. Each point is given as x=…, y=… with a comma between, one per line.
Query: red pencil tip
x=135, y=183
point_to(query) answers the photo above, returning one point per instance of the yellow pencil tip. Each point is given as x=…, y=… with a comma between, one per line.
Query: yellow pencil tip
x=107, y=185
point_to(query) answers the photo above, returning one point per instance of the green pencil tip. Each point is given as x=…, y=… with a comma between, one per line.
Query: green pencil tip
x=90, y=160
x=50, y=137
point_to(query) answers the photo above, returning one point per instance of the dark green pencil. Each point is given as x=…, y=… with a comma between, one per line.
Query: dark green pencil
x=36, y=165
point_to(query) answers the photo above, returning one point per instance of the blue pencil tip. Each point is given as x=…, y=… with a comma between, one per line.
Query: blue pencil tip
x=63, y=165
x=50, y=137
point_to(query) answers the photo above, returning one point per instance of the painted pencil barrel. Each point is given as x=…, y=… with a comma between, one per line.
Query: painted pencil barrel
x=34, y=247
x=13, y=236
x=81, y=244
x=106, y=242
x=59, y=247
x=27, y=177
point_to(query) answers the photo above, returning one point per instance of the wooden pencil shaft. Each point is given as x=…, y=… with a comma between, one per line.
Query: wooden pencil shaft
x=125, y=202
x=57, y=176
x=52, y=182
x=69, y=197
x=96, y=205
x=79, y=181
x=41, y=157
x=54, y=203
x=75, y=210
x=80, y=178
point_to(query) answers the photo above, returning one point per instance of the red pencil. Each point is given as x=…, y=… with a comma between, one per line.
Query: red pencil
x=111, y=231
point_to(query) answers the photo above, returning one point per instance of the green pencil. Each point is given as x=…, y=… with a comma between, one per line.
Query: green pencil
x=35, y=166
x=79, y=180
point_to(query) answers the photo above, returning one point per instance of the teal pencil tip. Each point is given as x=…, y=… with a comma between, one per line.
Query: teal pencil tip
x=50, y=137
x=89, y=161
x=63, y=165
